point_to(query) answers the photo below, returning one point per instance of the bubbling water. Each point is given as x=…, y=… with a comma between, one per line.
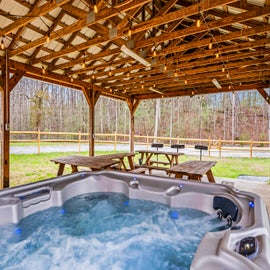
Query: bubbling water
x=105, y=231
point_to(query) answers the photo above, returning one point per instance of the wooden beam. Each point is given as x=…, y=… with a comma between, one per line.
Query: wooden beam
x=101, y=16
x=20, y=30
x=180, y=14
x=203, y=91
x=192, y=30
x=264, y=94
x=37, y=73
x=15, y=79
x=32, y=15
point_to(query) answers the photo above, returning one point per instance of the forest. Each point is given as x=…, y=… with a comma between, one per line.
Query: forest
x=229, y=116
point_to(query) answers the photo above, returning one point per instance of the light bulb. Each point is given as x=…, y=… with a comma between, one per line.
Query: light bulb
x=95, y=9
x=2, y=44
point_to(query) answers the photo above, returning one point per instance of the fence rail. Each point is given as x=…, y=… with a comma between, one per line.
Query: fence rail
x=79, y=138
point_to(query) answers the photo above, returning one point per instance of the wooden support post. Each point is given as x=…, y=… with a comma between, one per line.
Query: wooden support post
x=132, y=105
x=91, y=97
x=132, y=132
x=5, y=123
x=92, y=128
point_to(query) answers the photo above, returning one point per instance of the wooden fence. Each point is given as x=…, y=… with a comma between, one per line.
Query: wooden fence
x=115, y=139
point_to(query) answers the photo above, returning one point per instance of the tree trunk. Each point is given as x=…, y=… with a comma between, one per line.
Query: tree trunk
x=233, y=116
x=157, y=116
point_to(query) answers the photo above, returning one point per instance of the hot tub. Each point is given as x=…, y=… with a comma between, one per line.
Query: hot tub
x=244, y=243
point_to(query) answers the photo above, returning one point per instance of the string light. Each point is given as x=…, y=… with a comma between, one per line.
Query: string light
x=2, y=44
x=217, y=54
x=210, y=44
x=48, y=38
x=83, y=64
x=43, y=70
x=198, y=22
x=95, y=7
x=223, y=69
x=129, y=32
x=175, y=74
x=185, y=81
x=165, y=67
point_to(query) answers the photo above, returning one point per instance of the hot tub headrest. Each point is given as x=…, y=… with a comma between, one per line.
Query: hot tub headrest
x=227, y=207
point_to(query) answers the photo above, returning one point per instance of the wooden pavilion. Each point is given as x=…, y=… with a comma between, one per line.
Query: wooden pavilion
x=133, y=50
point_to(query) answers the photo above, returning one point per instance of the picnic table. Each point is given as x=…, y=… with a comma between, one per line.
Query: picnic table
x=194, y=170
x=147, y=160
x=95, y=163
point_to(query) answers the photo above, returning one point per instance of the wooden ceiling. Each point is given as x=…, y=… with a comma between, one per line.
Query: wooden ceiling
x=69, y=43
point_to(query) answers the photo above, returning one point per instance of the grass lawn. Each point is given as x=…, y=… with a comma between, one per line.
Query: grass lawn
x=27, y=168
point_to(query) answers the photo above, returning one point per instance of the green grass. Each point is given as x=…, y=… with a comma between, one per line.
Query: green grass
x=27, y=168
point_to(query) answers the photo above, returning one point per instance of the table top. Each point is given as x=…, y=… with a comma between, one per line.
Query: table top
x=193, y=167
x=95, y=162
x=117, y=155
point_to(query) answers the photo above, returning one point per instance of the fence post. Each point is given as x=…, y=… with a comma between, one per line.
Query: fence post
x=250, y=150
x=115, y=140
x=79, y=140
x=209, y=146
x=147, y=142
x=219, y=147
x=38, y=137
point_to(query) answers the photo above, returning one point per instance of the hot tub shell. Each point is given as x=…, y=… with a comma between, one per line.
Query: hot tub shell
x=217, y=250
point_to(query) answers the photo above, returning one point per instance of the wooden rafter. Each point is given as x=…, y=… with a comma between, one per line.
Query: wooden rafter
x=83, y=46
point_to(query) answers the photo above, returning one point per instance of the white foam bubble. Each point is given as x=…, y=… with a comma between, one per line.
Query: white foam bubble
x=108, y=236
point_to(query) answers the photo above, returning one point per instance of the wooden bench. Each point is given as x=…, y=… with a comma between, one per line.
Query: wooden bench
x=152, y=167
x=194, y=170
x=139, y=170
x=159, y=162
